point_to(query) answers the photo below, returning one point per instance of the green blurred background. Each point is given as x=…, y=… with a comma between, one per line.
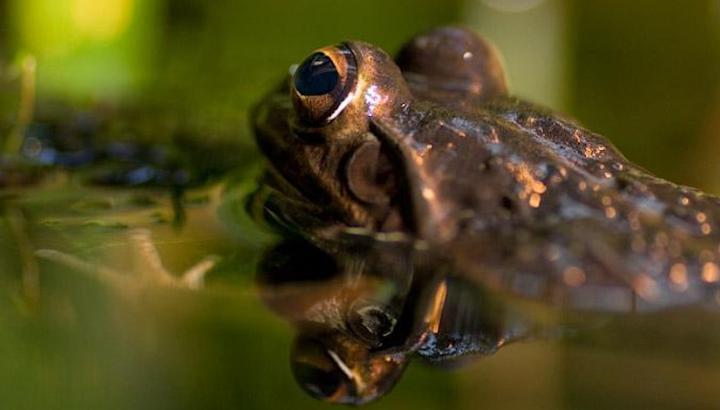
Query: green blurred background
x=645, y=73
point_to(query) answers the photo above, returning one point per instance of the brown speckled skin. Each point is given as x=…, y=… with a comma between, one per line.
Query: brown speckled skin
x=513, y=195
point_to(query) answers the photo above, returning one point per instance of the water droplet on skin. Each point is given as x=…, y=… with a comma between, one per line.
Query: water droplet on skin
x=678, y=277
x=710, y=272
x=530, y=121
x=539, y=187
x=577, y=136
x=535, y=200
x=428, y=194
x=646, y=287
x=493, y=135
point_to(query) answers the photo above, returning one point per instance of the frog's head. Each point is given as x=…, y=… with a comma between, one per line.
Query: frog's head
x=336, y=133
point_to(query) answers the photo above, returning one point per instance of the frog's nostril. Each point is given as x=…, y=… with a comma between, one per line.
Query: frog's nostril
x=308, y=137
x=317, y=75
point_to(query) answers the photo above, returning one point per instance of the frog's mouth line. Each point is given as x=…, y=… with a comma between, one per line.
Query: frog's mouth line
x=280, y=205
x=276, y=201
x=273, y=179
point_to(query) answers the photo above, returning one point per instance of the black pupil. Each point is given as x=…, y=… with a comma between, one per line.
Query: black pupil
x=317, y=75
x=318, y=382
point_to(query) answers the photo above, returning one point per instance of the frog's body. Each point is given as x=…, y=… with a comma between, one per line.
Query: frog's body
x=549, y=210
x=499, y=194
x=512, y=195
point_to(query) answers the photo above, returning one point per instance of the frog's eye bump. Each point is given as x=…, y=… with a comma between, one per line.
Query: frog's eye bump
x=317, y=75
x=322, y=86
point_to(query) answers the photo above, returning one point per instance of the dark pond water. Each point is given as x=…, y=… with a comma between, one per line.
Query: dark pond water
x=136, y=157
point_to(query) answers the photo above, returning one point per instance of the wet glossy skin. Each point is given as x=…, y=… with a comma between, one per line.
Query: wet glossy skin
x=515, y=195
x=431, y=150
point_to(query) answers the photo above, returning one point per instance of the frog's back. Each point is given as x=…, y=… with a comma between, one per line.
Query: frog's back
x=520, y=199
x=593, y=232
x=531, y=203
x=549, y=210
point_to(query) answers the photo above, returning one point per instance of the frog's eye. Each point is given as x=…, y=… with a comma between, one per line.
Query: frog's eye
x=322, y=85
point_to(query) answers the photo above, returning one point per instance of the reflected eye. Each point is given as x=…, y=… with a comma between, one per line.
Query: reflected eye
x=316, y=372
x=347, y=373
x=322, y=85
x=319, y=382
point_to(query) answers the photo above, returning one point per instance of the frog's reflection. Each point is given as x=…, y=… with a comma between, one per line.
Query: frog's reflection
x=361, y=312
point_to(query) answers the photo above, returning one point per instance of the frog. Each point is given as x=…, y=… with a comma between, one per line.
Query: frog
x=430, y=149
